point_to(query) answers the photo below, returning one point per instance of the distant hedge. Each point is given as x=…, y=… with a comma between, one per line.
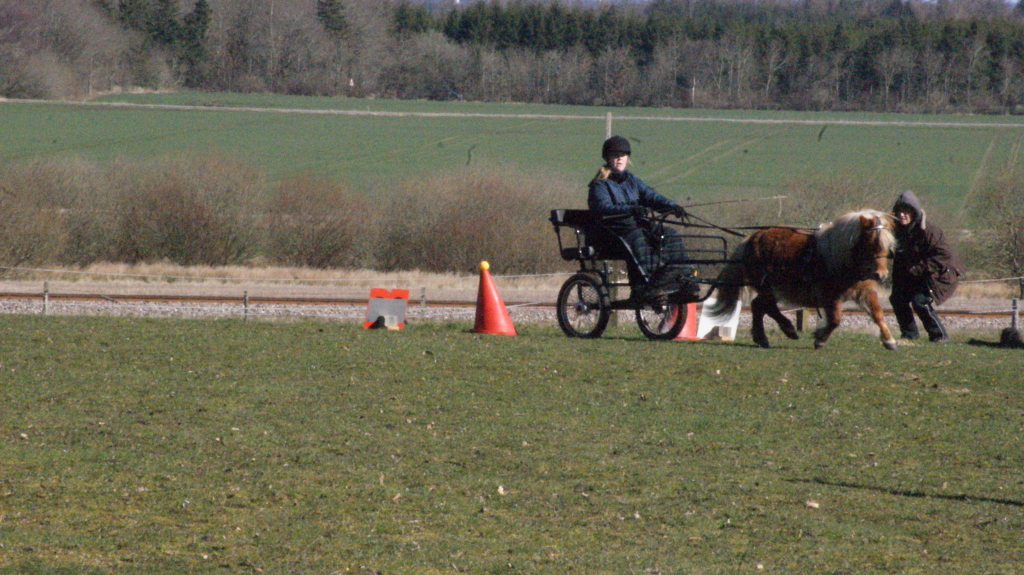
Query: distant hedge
x=213, y=211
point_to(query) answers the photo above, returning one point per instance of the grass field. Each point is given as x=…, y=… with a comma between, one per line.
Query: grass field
x=696, y=154
x=163, y=446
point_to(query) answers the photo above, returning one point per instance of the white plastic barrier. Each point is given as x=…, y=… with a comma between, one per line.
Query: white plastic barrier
x=720, y=328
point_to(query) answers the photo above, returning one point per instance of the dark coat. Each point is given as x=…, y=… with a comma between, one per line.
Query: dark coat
x=923, y=261
x=618, y=193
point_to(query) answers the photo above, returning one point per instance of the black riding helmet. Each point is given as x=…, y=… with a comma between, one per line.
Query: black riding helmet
x=615, y=144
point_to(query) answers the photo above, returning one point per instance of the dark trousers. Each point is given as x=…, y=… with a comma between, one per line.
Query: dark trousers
x=908, y=303
x=653, y=249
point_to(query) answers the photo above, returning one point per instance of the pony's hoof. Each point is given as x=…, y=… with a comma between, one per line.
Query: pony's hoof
x=762, y=343
x=889, y=345
x=792, y=334
x=818, y=344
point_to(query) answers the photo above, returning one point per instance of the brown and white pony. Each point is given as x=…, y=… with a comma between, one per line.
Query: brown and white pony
x=838, y=262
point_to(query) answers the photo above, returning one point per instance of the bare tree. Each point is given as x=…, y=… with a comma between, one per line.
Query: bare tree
x=367, y=45
x=935, y=79
x=60, y=49
x=775, y=60
x=615, y=77
x=524, y=80
x=1010, y=82
x=429, y=66
x=665, y=81
x=710, y=74
x=892, y=65
x=573, y=68
x=820, y=84
x=727, y=66
x=491, y=75
x=975, y=54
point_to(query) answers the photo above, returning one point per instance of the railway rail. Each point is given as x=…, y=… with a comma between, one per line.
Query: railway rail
x=213, y=299
x=185, y=299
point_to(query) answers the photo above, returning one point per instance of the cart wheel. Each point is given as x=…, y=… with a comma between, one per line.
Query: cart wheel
x=583, y=309
x=661, y=322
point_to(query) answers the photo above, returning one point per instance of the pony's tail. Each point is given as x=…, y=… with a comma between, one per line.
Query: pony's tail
x=727, y=292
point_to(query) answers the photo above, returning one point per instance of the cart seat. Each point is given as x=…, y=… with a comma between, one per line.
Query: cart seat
x=596, y=241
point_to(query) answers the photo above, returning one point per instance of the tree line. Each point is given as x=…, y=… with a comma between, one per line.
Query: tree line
x=879, y=55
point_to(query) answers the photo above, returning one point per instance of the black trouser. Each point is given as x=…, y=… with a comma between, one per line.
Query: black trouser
x=907, y=303
x=652, y=249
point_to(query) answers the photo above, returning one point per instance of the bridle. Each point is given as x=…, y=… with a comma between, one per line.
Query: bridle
x=877, y=228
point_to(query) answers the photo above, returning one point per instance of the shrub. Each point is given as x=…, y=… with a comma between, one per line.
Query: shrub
x=806, y=202
x=997, y=210
x=453, y=220
x=31, y=231
x=186, y=210
x=78, y=190
x=316, y=223
x=811, y=202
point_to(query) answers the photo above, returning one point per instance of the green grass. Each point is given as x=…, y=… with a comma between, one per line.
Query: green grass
x=704, y=160
x=165, y=446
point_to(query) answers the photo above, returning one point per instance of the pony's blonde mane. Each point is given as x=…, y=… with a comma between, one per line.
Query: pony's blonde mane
x=837, y=240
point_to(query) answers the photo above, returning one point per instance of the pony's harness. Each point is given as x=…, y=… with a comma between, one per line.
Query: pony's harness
x=812, y=263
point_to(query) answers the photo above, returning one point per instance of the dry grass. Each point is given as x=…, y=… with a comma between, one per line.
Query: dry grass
x=988, y=290
x=168, y=279
x=271, y=281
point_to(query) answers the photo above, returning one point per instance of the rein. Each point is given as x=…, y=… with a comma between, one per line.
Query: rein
x=708, y=225
x=733, y=231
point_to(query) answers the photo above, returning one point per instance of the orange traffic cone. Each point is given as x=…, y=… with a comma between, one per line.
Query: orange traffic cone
x=690, y=323
x=491, y=314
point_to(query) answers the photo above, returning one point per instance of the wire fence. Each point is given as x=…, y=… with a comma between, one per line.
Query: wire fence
x=993, y=280
x=222, y=310
x=200, y=277
x=171, y=277
x=44, y=302
x=242, y=307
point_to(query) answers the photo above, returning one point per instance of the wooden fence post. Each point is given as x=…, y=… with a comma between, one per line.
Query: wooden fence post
x=46, y=298
x=245, y=304
x=613, y=269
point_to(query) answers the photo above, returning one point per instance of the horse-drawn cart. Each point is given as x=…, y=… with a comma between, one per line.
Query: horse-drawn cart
x=587, y=299
x=812, y=268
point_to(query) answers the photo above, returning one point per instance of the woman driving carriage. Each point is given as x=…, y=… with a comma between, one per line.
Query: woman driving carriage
x=615, y=191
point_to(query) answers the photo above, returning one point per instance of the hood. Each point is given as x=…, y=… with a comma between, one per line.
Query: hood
x=908, y=199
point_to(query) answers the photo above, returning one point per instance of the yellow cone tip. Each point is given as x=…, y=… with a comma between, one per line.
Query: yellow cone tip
x=484, y=266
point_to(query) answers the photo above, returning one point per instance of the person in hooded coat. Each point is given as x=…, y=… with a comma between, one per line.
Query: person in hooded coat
x=615, y=191
x=925, y=272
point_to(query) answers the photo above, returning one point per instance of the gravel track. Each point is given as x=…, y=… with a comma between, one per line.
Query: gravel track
x=297, y=301
x=415, y=312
